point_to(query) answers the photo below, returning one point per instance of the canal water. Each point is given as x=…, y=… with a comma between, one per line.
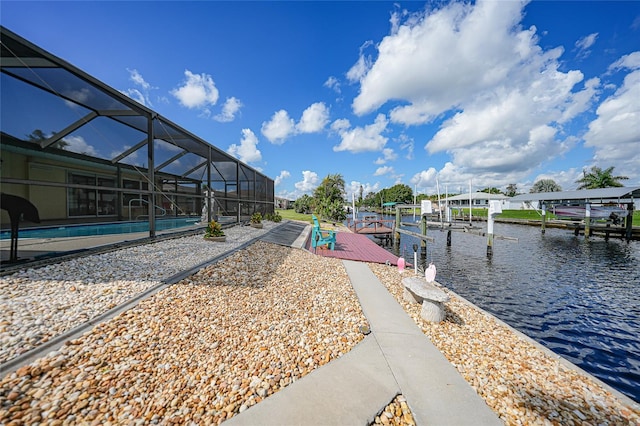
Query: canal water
x=579, y=298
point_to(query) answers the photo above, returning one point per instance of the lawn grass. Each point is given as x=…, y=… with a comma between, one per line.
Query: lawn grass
x=292, y=215
x=507, y=214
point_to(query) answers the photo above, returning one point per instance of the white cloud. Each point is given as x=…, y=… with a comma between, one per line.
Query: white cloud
x=79, y=145
x=309, y=182
x=333, y=84
x=197, y=91
x=282, y=176
x=362, y=66
x=279, y=128
x=80, y=96
x=130, y=159
x=425, y=178
x=282, y=126
x=565, y=178
x=137, y=78
x=615, y=133
x=506, y=98
x=630, y=61
x=140, y=94
x=387, y=155
x=248, y=150
x=340, y=125
x=437, y=62
x=229, y=110
x=136, y=95
x=385, y=170
x=406, y=144
x=584, y=43
x=354, y=188
x=362, y=139
x=314, y=118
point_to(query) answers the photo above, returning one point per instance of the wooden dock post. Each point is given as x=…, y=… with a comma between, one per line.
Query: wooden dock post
x=629, y=222
x=490, y=244
x=587, y=220
x=396, y=234
x=423, y=242
x=494, y=209
x=544, y=216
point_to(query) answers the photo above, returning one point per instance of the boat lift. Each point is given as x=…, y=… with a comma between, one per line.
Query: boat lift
x=581, y=209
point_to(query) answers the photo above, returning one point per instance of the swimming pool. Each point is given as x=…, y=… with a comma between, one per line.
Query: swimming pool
x=85, y=230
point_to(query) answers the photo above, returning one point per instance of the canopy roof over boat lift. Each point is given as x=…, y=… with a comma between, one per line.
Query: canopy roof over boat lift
x=50, y=107
x=620, y=195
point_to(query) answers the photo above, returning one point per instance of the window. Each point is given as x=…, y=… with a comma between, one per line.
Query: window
x=91, y=201
x=135, y=205
x=134, y=197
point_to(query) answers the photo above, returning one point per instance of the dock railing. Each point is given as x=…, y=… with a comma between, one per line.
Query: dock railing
x=372, y=225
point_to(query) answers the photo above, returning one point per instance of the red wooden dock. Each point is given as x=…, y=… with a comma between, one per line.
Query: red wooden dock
x=357, y=247
x=371, y=225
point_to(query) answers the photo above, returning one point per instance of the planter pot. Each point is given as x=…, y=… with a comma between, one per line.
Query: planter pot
x=257, y=225
x=217, y=239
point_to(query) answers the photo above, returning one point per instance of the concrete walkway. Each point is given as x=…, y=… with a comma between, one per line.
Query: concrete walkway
x=396, y=358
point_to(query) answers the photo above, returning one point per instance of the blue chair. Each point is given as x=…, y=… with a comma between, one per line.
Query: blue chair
x=321, y=237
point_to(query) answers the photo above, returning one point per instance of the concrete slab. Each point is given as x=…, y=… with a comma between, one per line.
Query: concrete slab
x=396, y=358
x=348, y=391
x=435, y=391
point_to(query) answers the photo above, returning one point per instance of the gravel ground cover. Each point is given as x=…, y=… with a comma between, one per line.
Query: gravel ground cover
x=225, y=338
x=521, y=383
x=38, y=304
x=199, y=351
x=397, y=413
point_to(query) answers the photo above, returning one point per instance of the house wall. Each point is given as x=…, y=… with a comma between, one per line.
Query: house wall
x=52, y=202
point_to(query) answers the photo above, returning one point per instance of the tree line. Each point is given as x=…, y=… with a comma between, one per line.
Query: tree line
x=329, y=198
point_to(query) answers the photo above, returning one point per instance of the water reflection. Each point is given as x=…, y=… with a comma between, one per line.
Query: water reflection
x=579, y=298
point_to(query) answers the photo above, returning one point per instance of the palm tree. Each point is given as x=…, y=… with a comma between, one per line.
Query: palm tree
x=598, y=178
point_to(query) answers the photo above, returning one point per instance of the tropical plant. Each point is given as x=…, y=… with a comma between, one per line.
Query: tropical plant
x=329, y=198
x=598, y=178
x=545, y=185
x=399, y=193
x=38, y=136
x=304, y=204
x=511, y=190
x=256, y=217
x=273, y=217
x=214, y=229
x=491, y=190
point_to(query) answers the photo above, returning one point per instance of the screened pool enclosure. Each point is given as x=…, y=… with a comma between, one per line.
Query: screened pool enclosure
x=82, y=151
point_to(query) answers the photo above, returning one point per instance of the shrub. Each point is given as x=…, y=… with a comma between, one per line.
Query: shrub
x=214, y=229
x=274, y=217
x=256, y=217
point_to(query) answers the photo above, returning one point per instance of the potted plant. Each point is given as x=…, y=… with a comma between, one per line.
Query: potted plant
x=214, y=232
x=256, y=220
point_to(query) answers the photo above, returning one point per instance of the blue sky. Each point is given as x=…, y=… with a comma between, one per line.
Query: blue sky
x=380, y=92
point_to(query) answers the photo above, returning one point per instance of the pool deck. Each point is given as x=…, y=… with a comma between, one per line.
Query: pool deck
x=34, y=248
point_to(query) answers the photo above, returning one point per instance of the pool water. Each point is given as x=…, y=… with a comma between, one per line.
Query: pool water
x=92, y=229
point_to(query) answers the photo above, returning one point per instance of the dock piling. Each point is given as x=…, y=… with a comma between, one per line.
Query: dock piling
x=587, y=220
x=494, y=209
x=629, y=222
x=423, y=242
